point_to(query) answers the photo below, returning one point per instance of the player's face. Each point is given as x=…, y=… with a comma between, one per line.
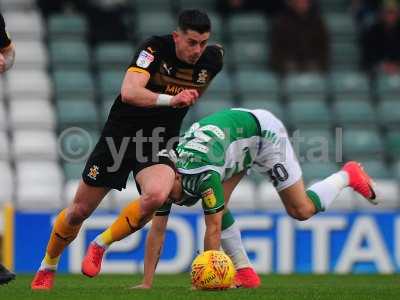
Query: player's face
x=190, y=45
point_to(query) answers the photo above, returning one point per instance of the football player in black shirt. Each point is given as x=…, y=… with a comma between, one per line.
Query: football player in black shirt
x=166, y=76
x=7, y=54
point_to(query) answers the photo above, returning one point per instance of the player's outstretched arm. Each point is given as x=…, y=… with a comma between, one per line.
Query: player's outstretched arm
x=154, y=243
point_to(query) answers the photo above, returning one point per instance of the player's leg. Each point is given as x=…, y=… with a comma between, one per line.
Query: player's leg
x=286, y=175
x=231, y=240
x=298, y=204
x=5, y=275
x=65, y=229
x=277, y=159
x=302, y=204
x=230, y=185
x=155, y=183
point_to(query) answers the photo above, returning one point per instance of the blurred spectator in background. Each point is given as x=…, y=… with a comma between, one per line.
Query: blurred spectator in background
x=48, y=7
x=234, y=6
x=299, y=39
x=381, y=42
x=106, y=17
x=365, y=12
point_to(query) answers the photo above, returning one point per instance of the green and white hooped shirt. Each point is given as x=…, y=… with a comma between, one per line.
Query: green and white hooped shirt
x=213, y=150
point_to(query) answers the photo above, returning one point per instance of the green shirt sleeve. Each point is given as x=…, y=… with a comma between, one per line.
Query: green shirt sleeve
x=212, y=193
x=164, y=210
x=206, y=186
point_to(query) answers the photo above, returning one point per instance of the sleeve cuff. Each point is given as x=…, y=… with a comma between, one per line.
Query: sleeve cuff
x=138, y=70
x=214, y=210
x=163, y=213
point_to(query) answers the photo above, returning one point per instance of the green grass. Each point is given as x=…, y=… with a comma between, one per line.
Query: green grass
x=175, y=287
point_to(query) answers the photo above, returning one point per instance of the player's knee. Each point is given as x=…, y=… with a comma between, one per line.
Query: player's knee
x=300, y=213
x=78, y=213
x=153, y=200
x=157, y=197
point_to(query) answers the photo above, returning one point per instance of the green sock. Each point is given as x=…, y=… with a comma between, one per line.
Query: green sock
x=324, y=192
x=315, y=200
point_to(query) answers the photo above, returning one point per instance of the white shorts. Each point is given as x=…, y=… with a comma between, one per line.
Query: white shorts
x=276, y=158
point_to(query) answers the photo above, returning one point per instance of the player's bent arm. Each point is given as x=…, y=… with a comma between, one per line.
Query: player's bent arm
x=8, y=57
x=133, y=89
x=154, y=243
x=134, y=92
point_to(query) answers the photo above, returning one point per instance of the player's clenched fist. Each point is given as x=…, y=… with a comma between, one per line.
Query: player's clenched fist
x=185, y=98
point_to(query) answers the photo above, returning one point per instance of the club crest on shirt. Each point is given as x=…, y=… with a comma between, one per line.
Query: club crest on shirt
x=202, y=77
x=145, y=59
x=94, y=172
x=209, y=198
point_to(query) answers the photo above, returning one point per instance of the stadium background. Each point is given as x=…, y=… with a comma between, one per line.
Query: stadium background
x=63, y=80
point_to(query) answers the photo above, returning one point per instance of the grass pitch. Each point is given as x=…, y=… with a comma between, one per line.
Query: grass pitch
x=176, y=287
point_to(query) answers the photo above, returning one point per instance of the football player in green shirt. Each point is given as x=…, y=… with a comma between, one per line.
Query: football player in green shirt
x=213, y=156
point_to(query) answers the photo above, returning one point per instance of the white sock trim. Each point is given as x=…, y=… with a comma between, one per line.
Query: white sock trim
x=329, y=188
x=45, y=266
x=99, y=242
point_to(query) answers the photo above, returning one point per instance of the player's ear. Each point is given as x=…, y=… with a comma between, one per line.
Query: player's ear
x=175, y=35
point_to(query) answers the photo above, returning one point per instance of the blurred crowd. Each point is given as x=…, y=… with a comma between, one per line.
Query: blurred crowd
x=299, y=40
x=106, y=17
x=379, y=35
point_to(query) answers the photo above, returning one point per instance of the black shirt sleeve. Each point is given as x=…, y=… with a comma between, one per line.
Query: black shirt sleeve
x=147, y=57
x=216, y=56
x=4, y=39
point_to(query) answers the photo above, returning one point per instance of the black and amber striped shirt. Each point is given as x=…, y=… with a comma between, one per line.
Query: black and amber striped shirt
x=168, y=75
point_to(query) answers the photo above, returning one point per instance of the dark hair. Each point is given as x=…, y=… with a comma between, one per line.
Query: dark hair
x=194, y=19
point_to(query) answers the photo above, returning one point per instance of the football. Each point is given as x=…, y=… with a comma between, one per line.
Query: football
x=212, y=270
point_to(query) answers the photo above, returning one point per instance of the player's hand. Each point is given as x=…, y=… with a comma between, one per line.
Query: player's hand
x=142, y=286
x=185, y=98
x=2, y=63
